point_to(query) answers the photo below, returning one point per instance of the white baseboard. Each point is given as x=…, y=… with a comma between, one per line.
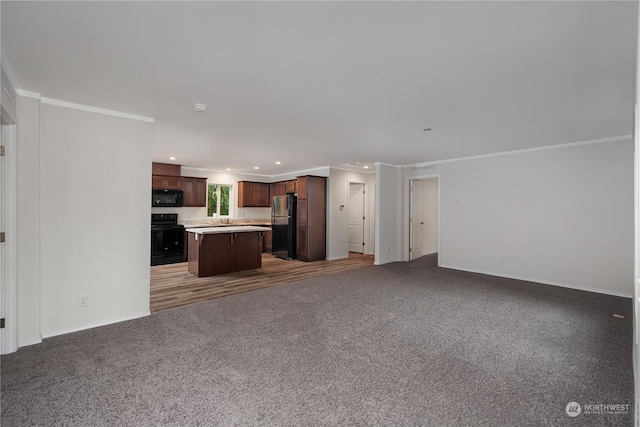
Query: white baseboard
x=96, y=325
x=544, y=282
x=333, y=258
x=27, y=343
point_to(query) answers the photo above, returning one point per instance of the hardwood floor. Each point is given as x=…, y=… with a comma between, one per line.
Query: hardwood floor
x=173, y=286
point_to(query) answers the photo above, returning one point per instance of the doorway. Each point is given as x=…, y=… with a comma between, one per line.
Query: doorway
x=8, y=248
x=424, y=220
x=356, y=216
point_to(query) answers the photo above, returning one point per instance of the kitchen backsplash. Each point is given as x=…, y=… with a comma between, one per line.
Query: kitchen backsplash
x=200, y=214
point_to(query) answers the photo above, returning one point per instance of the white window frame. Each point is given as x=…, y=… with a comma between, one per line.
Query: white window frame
x=217, y=215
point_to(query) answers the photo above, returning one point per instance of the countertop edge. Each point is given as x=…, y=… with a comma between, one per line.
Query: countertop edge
x=222, y=230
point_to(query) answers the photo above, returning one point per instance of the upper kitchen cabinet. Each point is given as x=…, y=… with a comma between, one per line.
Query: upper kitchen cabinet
x=164, y=182
x=166, y=176
x=165, y=169
x=291, y=186
x=195, y=192
x=278, y=189
x=312, y=218
x=254, y=194
x=302, y=187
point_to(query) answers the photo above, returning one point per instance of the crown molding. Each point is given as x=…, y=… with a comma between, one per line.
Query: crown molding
x=59, y=103
x=28, y=94
x=527, y=150
x=387, y=164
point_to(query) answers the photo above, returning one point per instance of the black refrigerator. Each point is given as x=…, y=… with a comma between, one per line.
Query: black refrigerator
x=283, y=226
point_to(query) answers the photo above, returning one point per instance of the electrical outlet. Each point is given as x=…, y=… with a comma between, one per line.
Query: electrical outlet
x=389, y=250
x=501, y=261
x=83, y=300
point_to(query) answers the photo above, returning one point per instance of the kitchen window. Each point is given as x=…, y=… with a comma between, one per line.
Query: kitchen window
x=218, y=196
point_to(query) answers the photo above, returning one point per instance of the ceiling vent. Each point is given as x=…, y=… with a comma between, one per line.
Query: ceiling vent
x=423, y=168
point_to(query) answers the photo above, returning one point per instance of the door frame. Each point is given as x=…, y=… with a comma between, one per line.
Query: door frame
x=410, y=211
x=8, y=276
x=365, y=214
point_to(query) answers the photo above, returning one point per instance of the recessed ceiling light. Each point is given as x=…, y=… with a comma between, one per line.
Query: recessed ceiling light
x=200, y=108
x=277, y=163
x=366, y=167
x=256, y=167
x=228, y=169
x=172, y=158
x=426, y=129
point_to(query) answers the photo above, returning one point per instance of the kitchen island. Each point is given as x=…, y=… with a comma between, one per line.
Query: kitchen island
x=220, y=250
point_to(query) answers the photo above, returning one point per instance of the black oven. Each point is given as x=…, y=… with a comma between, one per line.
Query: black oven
x=167, y=239
x=166, y=198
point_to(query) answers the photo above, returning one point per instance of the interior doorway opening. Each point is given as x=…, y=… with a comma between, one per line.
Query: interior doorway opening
x=424, y=219
x=8, y=241
x=357, y=217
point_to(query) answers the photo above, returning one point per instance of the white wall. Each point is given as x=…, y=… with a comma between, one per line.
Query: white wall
x=636, y=292
x=95, y=234
x=338, y=220
x=28, y=220
x=388, y=214
x=560, y=216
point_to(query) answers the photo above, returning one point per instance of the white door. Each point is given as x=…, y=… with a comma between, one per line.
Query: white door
x=4, y=293
x=8, y=290
x=415, y=221
x=356, y=218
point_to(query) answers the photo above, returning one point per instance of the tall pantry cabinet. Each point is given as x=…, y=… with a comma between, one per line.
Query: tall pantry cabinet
x=312, y=218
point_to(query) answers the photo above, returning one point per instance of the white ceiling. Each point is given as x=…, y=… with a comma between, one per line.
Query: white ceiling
x=326, y=83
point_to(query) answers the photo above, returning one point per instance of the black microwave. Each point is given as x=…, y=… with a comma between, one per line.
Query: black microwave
x=166, y=198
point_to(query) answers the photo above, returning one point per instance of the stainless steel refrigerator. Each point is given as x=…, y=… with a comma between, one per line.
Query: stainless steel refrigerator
x=283, y=225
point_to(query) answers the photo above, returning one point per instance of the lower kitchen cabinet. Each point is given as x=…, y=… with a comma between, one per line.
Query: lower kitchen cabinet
x=267, y=241
x=302, y=244
x=209, y=254
x=246, y=250
x=221, y=253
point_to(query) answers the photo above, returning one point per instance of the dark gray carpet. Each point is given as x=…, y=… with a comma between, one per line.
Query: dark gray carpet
x=400, y=344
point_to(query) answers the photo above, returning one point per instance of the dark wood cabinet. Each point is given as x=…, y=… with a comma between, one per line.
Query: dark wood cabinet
x=254, y=194
x=302, y=245
x=165, y=169
x=195, y=191
x=221, y=253
x=278, y=189
x=167, y=177
x=302, y=187
x=166, y=182
x=247, y=250
x=209, y=254
x=302, y=212
x=267, y=241
x=291, y=186
x=312, y=218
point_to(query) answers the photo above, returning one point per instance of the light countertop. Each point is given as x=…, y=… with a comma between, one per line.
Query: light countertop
x=232, y=229
x=195, y=223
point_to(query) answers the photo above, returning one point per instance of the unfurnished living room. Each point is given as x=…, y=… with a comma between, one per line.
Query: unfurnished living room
x=319, y=213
